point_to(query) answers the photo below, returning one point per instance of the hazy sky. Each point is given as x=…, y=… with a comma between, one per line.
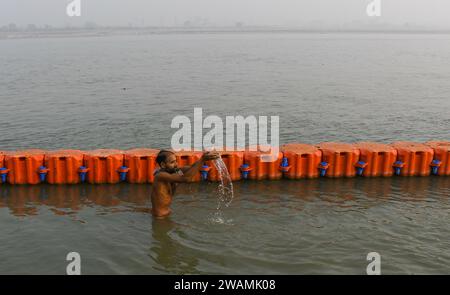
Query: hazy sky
x=435, y=13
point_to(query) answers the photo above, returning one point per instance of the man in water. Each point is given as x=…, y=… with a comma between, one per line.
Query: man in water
x=169, y=175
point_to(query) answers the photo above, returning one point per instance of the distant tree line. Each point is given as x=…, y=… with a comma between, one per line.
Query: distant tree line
x=12, y=27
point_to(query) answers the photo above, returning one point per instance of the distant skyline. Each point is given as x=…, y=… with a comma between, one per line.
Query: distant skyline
x=429, y=14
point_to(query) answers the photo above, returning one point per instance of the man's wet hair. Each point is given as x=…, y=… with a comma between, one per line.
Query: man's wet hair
x=162, y=156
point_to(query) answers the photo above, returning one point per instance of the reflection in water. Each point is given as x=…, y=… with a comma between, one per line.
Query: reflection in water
x=23, y=200
x=68, y=199
x=168, y=254
x=277, y=226
x=340, y=192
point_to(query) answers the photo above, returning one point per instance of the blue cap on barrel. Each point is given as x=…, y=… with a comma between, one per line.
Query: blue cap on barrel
x=244, y=171
x=204, y=172
x=323, y=166
x=3, y=175
x=83, y=173
x=435, y=166
x=123, y=173
x=42, y=173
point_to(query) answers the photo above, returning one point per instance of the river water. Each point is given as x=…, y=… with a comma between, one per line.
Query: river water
x=123, y=91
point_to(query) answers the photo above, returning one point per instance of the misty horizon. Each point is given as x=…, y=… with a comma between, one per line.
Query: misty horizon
x=326, y=14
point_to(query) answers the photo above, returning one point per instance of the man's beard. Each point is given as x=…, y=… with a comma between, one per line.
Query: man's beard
x=173, y=171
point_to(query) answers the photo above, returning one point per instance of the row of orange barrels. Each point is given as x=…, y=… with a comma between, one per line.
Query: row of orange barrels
x=294, y=161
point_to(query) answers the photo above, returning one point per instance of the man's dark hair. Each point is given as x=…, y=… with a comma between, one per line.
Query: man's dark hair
x=162, y=156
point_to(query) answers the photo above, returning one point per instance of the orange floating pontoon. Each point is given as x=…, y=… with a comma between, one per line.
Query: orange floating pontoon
x=63, y=166
x=293, y=161
x=24, y=166
x=339, y=159
x=414, y=159
x=258, y=167
x=302, y=160
x=233, y=161
x=441, y=156
x=142, y=165
x=376, y=159
x=104, y=165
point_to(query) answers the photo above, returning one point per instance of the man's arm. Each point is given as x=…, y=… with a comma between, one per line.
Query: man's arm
x=189, y=172
x=184, y=169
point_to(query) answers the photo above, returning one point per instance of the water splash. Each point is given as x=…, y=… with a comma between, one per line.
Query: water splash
x=219, y=218
x=225, y=189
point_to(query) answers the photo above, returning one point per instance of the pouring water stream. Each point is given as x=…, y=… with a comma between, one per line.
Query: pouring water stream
x=225, y=189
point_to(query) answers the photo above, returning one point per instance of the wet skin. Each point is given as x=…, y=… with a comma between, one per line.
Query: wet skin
x=166, y=180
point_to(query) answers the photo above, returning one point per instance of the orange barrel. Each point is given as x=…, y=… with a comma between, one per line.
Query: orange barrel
x=142, y=164
x=254, y=163
x=188, y=158
x=339, y=159
x=441, y=156
x=233, y=161
x=24, y=166
x=376, y=159
x=413, y=158
x=104, y=165
x=302, y=160
x=63, y=166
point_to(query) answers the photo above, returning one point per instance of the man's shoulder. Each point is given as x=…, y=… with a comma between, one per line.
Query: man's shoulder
x=164, y=177
x=161, y=174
